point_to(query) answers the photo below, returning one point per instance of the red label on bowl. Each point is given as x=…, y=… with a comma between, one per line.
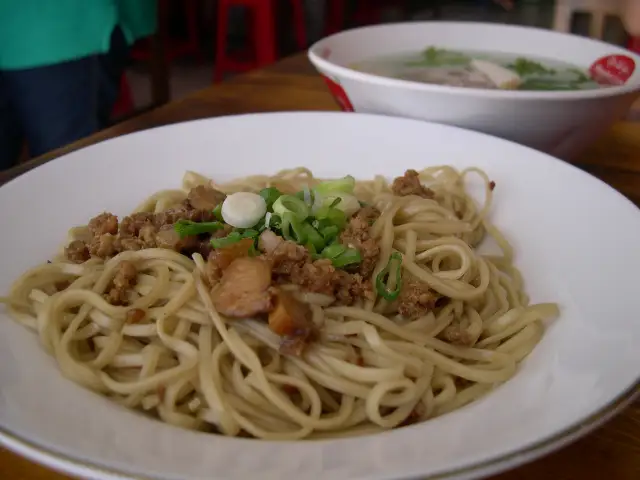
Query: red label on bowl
x=339, y=94
x=612, y=70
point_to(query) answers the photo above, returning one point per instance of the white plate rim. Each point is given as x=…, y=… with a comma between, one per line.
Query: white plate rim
x=69, y=465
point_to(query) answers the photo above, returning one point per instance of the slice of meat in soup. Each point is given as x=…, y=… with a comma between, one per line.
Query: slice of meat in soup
x=244, y=289
x=452, y=76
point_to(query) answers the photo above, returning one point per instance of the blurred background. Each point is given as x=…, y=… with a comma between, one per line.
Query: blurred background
x=202, y=41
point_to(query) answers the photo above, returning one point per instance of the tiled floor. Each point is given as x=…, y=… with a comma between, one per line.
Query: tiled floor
x=187, y=76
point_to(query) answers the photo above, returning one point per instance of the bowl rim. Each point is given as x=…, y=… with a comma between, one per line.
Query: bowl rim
x=515, y=95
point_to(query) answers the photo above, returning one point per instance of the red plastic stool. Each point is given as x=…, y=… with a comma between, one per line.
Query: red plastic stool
x=141, y=51
x=335, y=16
x=366, y=12
x=124, y=103
x=370, y=11
x=262, y=36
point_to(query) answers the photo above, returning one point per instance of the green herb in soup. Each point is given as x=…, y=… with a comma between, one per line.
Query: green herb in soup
x=480, y=70
x=525, y=67
x=438, y=57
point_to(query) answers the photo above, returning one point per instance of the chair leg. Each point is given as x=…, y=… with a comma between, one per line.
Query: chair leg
x=562, y=19
x=265, y=36
x=299, y=24
x=335, y=16
x=164, y=13
x=221, y=42
x=124, y=103
x=368, y=12
x=193, y=44
x=596, y=27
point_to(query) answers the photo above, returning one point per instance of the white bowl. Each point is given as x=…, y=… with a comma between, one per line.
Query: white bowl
x=560, y=123
x=576, y=243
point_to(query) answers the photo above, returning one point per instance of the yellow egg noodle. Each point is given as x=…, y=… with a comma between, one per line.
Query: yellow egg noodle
x=193, y=368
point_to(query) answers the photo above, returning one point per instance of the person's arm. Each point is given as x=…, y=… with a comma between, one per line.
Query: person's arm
x=631, y=17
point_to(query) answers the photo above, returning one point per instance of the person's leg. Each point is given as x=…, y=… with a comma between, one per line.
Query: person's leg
x=111, y=66
x=11, y=137
x=56, y=104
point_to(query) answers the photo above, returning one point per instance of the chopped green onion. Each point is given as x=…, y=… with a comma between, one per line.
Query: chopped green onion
x=222, y=242
x=350, y=256
x=581, y=77
x=187, y=228
x=249, y=233
x=341, y=255
x=335, y=202
x=340, y=185
x=525, y=67
x=331, y=216
x=320, y=224
x=261, y=226
x=330, y=233
x=233, y=237
x=275, y=223
x=293, y=205
x=334, y=251
x=270, y=195
x=381, y=286
x=298, y=231
x=438, y=57
x=346, y=202
x=217, y=212
x=313, y=237
x=293, y=229
x=307, y=196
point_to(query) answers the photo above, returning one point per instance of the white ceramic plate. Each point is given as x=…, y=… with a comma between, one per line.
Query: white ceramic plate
x=576, y=242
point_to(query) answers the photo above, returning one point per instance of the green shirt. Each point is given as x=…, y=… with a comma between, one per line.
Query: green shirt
x=36, y=33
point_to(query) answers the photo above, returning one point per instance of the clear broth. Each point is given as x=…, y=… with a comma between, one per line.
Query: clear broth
x=453, y=67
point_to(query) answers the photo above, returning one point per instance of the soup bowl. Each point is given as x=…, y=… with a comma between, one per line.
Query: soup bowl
x=562, y=123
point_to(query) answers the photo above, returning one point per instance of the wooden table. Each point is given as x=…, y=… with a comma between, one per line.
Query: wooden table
x=292, y=84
